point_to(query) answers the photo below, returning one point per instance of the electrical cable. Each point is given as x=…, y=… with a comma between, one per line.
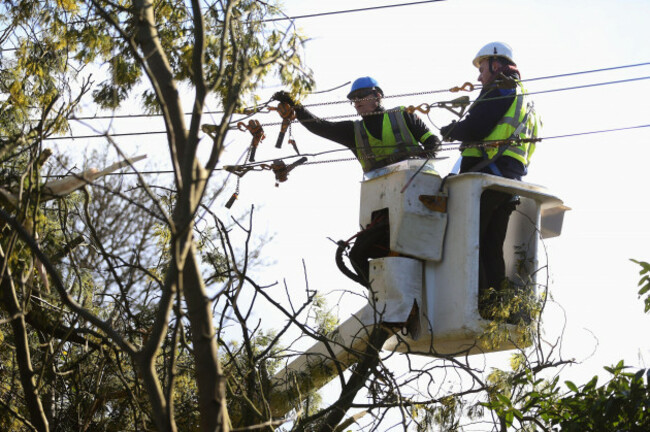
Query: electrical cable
x=449, y=146
x=477, y=87
x=314, y=15
x=343, y=116
x=149, y=115
x=339, y=12
x=586, y=72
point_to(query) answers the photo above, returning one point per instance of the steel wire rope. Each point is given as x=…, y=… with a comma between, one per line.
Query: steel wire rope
x=342, y=116
x=476, y=87
x=314, y=15
x=369, y=8
x=586, y=72
x=438, y=104
x=447, y=146
x=456, y=144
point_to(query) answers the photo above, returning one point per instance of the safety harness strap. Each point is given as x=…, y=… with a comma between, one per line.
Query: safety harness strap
x=401, y=131
x=362, y=138
x=489, y=162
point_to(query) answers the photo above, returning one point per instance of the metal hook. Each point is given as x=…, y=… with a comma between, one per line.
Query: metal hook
x=423, y=108
x=467, y=86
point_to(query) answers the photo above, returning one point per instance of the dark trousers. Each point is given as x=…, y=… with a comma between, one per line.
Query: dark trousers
x=496, y=208
x=372, y=242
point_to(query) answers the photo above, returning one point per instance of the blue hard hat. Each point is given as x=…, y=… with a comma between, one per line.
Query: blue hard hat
x=364, y=83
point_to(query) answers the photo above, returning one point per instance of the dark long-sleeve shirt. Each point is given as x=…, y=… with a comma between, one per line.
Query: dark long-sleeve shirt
x=342, y=132
x=481, y=119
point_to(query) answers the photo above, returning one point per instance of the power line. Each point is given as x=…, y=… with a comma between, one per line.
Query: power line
x=437, y=104
x=317, y=14
x=444, y=147
x=586, y=72
x=320, y=14
x=350, y=115
x=354, y=115
x=563, y=75
x=592, y=85
x=598, y=131
x=112, y=135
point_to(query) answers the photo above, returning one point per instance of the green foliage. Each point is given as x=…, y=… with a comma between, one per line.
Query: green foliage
x=644, y=283
x=619, y=405
x=84, y=379
x=247, y=50
x=81, y=385
x=510, y=311
x=249, y=369
x=325, y=318
x=622, y=404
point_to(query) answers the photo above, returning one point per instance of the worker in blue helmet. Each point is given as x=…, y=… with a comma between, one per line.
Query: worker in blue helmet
x=382, y=137
x=362, y=85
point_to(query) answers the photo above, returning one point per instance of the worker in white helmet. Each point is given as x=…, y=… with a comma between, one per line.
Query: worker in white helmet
x=501, y=112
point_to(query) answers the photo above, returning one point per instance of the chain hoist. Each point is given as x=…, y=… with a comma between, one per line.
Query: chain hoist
x=281, y=170
x=288, y=114
x=255, y=128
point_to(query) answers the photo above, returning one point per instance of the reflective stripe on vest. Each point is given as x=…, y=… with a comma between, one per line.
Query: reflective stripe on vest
x=514, y=124
x=395, y=138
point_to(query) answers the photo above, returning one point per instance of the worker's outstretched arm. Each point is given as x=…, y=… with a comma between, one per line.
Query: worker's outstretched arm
x=340, y=132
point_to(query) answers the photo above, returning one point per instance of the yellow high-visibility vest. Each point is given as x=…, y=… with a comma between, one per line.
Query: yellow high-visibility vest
x=396, y=141
x=520, y=118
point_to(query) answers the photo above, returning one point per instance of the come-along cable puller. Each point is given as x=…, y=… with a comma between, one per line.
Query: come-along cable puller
x=279, y=167
x=459, y=105
x=456, y=106
x=280, y=170
x=288, y=114
x=255, y=128
x=211, y=131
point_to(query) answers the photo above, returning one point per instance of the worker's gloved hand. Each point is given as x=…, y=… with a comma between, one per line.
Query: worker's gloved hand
x=446, y=130
x=283, y=96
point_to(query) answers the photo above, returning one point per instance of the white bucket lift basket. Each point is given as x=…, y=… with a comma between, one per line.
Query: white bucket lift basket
x=429, y=290
x=446, y=242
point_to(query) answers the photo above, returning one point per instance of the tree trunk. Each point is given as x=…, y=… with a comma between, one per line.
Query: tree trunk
x=34, y=406
x=209, y=377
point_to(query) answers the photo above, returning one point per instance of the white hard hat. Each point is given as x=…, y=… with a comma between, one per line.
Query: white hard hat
x=493, y=49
